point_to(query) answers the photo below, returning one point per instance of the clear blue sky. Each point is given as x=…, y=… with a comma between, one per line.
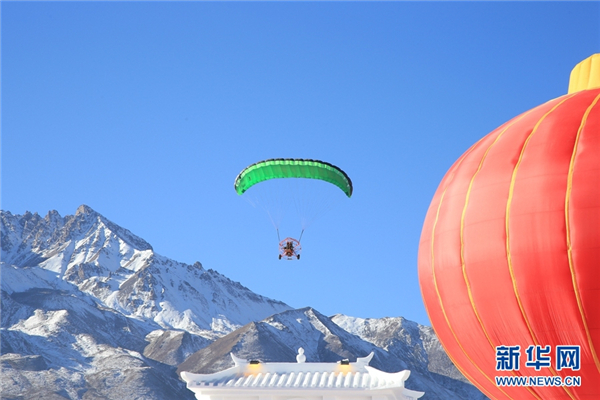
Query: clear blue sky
x=147, y=111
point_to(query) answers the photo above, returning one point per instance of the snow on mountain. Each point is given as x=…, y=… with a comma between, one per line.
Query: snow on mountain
x=402, y=345
x=29, y=239
x=418, y=346
x=84, y=300
x=172, y=347
x=90, y=311
x=87, y=252
x=56, y=344
x=277, y=339
x=405, y=339
x=115, y=374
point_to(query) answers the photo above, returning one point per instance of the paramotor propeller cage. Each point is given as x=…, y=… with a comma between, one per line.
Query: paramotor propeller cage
x=290, y=249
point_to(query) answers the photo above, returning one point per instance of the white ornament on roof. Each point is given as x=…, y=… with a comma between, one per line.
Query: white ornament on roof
x=239, y=362
x=362, y=361
x=300, y=357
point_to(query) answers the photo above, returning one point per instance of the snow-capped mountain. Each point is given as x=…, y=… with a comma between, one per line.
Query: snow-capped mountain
x=87, y=252
x=80, y=293
x=406, y=340
x=403, y=345
x=90, y=311
x=63, y=345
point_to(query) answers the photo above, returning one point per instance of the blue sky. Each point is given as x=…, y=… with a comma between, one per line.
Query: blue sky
x=147, y=111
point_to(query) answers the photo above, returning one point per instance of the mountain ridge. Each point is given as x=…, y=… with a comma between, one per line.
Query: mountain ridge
x=120, y=269
x=84, y=299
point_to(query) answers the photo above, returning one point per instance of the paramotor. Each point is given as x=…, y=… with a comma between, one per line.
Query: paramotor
x=296, y=193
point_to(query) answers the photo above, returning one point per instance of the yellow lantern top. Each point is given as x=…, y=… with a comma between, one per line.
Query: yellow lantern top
x=586, y=74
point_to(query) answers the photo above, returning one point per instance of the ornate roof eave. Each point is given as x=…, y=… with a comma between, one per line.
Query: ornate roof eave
x=391, y=379
x=255, y=375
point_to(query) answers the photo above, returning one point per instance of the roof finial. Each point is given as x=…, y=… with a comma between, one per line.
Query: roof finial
x=238, y=361
x=301, y=357
x=361, y=361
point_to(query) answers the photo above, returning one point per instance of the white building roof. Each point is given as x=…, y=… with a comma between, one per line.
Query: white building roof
x=290, y=380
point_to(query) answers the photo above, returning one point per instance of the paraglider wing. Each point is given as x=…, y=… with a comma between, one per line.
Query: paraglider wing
x=292, y=168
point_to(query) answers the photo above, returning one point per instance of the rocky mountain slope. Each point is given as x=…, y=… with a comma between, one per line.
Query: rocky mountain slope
x=90, y=311
x=88, y=253
x=86, y=305
x=403, y=345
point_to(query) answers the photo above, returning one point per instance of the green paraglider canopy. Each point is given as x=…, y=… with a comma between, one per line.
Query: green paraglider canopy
x=292, y=168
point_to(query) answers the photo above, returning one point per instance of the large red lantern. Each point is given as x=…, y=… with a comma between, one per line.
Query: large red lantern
x=509, y=258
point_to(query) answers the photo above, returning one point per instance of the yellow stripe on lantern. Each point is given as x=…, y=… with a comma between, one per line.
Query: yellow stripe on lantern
x=439, y=296
x=462, y=244
x=568, y=232
x=508, y=236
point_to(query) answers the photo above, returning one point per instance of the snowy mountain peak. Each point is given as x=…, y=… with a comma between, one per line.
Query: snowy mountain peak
x=84, y=299
x=278, y=338
x=89, y=253
x=29, y=239
x=86, y=210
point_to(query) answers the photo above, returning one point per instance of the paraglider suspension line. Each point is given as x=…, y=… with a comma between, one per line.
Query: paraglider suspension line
x=300, y=238
x=278, y=238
